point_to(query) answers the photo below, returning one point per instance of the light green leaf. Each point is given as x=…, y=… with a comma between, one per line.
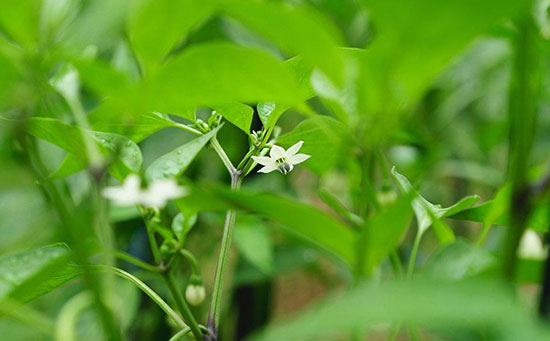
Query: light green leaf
x=128, y=155
x=28, y=274
x=176, y=162
x=325, y=139
x=143, y=127
x=425, y=211
x=182, y=224
x=458, y=260
x=101, y=78
x=237, y=113
x=157, y=26
x=304, y=221
x=254, y=243
x=297, y=30
x=63, y=135
x=20, y=19
x=385, y=230
x=472, y=305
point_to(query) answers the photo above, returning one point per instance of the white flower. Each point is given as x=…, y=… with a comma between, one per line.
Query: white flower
x=195, y=294
x=128, y=194
x=156, y=196
x=281, y=159
x=530, y=246
x=160, y=191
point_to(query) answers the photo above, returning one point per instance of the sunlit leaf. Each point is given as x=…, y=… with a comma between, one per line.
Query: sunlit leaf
x=237, y=113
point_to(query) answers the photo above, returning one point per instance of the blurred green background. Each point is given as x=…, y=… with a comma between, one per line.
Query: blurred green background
x=454, y=94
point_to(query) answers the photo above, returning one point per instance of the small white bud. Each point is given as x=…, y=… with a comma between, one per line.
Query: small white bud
x=195, y=294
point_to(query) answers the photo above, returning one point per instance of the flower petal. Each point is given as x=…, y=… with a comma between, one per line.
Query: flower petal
x=263, y=160
x=294, y=149
x=268, y=169
x=298, y=158
x=277, y=152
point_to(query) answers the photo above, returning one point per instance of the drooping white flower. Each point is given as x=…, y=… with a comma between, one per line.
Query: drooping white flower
x=129, y=194
x=281, y=159
x=530, y=246
x=155, y=196
x=160, y=191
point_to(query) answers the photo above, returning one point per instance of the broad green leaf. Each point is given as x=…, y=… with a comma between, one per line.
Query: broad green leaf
x=20, y=19
x=325, y=139
x=237, y=113
x=297, y=30
x=176, y=162
x=101, y=78
x=265, y=111
x=425, y=211
x=156, y=26
x=305, y=221
x=254, y=243
x=139, y=129
x=459, y=260
x=482, y=306
x=216, y=73
x=416, y=40
x=385, y=230
x=28, y=274
x=128, y=158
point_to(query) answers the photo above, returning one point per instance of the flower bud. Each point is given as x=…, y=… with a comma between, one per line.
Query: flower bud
x=195, y=292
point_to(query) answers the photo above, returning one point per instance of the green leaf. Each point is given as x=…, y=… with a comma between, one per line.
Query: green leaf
x=307, y=222
x=27, y=275
x=142, y=127
x=426, y=212
x=297, y=30
x=385, y=230
x=176, y=162
x=237, y=113
x=416, y=40
x=325, y=139
x=157, y=26
x=458, y=260
x=254, y=242
x=182, y=224
x=201, y=77
x=480, y=306
x=20, y=19
x=128, y=158
x=101, y=78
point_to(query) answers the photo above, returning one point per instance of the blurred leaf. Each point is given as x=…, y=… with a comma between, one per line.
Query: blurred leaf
x=200, y=77
x=237, y=113
x=182, y=224
x=385, y=230
x=459, y=260
x=29, y=274
x=157, y=26
x=486, y=306
x=325, y=139
x=70, y=138
x=174, y=163
x=297, y=30
x=416, y=40
x=19, y=19
x=305, y=221
x=254, y=243
x=101, y=78
x=421, y=207
x=530, y=271
x=143, y=127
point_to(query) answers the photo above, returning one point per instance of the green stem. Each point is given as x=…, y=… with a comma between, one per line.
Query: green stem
x=414, y=252
x=185, y=253
x=396, y=264
x=182, y=305
x=137, y=262
x=146, y=289
x=179, y=335
x=221, y=266
x=223, y=156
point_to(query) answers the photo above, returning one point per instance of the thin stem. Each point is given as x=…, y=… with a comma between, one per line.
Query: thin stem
x=221, y=266
x=146, y=289
x=179, y=335
x=185, y=253
x=188, y=128
x=396, y=264
x=182, y=305
x=137, y=262
x=223, y=156
x=414, y=252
